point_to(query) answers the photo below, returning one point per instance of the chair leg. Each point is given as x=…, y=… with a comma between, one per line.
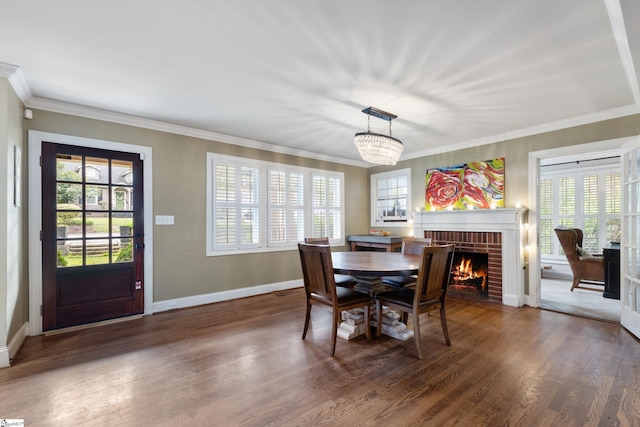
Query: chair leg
x=306, y=321
x=575, y=283
x=416, y=333
x=378, y=318
x=443, y=320
x=334, y=329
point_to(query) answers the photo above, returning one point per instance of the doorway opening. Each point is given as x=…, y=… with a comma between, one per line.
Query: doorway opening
x=577, y=191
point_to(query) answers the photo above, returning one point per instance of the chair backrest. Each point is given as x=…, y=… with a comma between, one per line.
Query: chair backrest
x=570, y=239
x=414, y=245
x=317, y=240
x=434, y=273
x=317, y=270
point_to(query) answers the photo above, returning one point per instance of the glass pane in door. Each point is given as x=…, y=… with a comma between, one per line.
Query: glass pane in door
x=68, y=168
x=96, y=170
x=122, y=230
x=94, y=210
x=121, y=172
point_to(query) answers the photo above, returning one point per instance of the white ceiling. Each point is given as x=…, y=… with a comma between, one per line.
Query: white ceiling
x=294, y=75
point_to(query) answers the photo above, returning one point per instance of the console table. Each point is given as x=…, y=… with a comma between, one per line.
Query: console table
x=388, y=243
x=612, y=272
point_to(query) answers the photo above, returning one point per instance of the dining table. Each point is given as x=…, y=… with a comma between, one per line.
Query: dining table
x=368, y=268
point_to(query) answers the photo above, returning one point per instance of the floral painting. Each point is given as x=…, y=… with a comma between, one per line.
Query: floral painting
x=476, y=185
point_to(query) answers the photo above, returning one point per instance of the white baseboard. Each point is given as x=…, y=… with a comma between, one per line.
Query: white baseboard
x=511, y=300
x=4, y=357
x=7, y=353
x=196, y=300
x=18, y=339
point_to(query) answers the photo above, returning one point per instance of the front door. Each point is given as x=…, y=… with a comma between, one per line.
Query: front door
x=93, y=245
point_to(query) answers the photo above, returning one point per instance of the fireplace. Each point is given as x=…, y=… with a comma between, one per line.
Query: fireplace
x=469, y=275
x=478, y=243
x=497, y=233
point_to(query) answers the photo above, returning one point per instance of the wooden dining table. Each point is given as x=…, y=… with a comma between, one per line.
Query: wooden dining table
x=368, y=268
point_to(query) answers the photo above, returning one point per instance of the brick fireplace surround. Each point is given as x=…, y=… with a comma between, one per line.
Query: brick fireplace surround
x=497, y=232
x=480, y=243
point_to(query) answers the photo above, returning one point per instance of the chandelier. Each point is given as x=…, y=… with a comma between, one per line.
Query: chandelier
x=375, y=147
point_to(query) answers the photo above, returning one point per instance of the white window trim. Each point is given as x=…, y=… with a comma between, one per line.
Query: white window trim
x=375, y=178
x=264, y=168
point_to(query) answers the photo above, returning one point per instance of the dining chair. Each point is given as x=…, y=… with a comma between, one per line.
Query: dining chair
x=412, y=246
x=343, y=280
x=320, y=289
x=430, y=292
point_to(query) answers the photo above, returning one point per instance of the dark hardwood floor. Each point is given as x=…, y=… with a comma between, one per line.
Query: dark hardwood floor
x=242, y=362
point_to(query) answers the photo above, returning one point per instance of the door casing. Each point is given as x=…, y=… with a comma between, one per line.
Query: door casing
x=35, y=215
x=533, y=256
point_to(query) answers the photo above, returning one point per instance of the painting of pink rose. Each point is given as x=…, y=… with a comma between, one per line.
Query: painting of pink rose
x=476, y=185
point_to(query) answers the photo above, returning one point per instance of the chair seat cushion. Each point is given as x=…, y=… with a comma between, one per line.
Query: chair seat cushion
x=348, y=296
x=403, y=297
x=345, y=296
x=598, y=259
x=399, y=281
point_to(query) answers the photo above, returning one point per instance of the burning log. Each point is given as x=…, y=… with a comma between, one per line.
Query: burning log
x=464, y=275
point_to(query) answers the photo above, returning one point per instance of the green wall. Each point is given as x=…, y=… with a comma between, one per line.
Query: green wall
x=516, y=154
x=181, y=268
x=14, y=286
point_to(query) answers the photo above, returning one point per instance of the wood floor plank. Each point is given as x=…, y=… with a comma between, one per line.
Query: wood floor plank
x=243, y=363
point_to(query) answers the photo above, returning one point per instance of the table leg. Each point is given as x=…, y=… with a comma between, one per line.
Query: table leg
x=352, y=324
x=369, y=285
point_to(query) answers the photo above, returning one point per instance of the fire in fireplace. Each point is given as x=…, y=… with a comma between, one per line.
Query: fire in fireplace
x=469, y=274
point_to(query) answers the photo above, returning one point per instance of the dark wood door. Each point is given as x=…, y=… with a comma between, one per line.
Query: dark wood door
x=92, y=235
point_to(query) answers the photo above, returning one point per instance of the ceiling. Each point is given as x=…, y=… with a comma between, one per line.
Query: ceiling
x=293, y=75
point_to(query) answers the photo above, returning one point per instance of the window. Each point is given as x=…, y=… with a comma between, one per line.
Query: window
x=286, y=207
x=327, y=203
x=390, y=192
x=583, y=196
x=256, y=206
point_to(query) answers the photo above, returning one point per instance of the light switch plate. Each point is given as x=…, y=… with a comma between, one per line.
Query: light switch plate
x=164, y=219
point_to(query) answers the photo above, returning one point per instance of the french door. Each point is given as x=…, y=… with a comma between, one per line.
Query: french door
x=630, y=243
x=92, y=235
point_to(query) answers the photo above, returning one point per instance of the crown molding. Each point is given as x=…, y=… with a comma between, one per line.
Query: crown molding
x=124, y=119
x=614, y=113
x=7, y=70
x=16, y=78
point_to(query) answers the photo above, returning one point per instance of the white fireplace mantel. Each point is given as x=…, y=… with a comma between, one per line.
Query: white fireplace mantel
x=507, y=221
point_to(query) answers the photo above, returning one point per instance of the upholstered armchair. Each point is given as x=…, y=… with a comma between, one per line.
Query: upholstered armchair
x=585, y=268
